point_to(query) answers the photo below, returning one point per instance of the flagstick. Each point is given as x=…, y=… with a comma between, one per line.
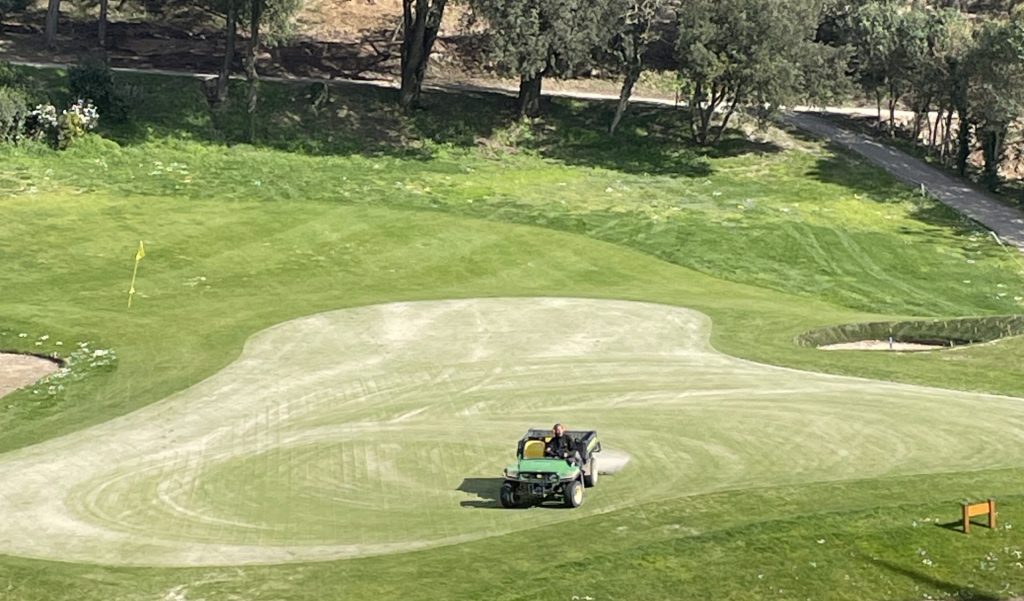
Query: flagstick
x=131, y=289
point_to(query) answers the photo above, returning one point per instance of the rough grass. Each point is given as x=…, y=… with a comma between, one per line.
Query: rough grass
x=357, y=204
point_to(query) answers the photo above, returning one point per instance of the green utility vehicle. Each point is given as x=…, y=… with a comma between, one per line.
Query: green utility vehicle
x=535, y=478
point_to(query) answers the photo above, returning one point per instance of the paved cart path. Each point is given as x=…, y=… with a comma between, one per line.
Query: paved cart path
x=1004, y=220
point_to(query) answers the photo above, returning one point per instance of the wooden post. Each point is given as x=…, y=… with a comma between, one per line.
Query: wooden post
x=992, y=514
x=966, y=517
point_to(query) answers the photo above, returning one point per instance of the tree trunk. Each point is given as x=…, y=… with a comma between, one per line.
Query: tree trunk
x=251, y=74
x=963, y=141
x=528, y=102
x=725, y=120
x=992, y=148
x=229, y=52
x=632, y=75
x=933, y=129
x=419, y=30
x=52, y=16
x=701, y=113
x=878, y=108
x=102, y=25
x=921, y=113
x=892, y=115
x=947, y=134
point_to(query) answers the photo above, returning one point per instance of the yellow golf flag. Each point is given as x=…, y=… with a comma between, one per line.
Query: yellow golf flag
x=138, y=257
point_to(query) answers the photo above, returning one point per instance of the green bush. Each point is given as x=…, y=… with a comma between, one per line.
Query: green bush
x=13, y=112
x=8, y=76
x=92, y=80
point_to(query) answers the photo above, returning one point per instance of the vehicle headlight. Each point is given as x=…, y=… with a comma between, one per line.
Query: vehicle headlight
x=553, y=477
x=511, y=473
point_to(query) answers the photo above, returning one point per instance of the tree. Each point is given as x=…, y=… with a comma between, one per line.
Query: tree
x=997, y=90
x=533, y=39
x=101, y=25
x=941, y=80
x=633, y=29
x=231, y=9
x=251, y=74
x=754, y=53
x=421, y=21
x=52, y=16
x=276, y=16
x=889, y=39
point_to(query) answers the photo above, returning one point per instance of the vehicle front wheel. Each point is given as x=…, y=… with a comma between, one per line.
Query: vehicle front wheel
x=509, y=496
x=590, y=474
x=574, y=494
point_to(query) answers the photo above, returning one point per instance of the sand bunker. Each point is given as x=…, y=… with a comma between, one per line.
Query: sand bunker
x=881, y=345
x=17, y=371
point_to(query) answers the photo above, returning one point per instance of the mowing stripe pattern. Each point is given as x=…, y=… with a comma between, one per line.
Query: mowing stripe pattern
x=384, y=429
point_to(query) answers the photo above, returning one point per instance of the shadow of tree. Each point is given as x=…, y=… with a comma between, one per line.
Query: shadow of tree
x=652, y=140
x=845, y=168
x=324, y=118
x=953, y=590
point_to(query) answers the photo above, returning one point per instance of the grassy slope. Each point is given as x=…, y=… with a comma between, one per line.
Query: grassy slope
x=352, y=216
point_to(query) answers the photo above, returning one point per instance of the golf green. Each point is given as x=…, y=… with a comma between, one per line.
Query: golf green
x=383, y=428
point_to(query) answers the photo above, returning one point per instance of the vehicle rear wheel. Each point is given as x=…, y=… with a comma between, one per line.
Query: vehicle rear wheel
x=590, y=474
x=574, y=494
x=509, y=496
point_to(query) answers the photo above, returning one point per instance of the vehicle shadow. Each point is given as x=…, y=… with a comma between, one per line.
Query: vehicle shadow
x=486, y=490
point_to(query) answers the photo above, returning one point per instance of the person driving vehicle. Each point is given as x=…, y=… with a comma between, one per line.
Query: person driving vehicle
x=561, y=444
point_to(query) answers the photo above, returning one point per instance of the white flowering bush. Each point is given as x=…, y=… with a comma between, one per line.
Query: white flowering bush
x=75, y=121
x=42, y=121
x=61, y=129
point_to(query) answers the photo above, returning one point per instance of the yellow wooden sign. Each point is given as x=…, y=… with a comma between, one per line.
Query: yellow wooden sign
x=970, y=510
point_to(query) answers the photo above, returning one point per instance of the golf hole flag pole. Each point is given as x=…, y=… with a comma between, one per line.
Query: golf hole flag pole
x=138, y=257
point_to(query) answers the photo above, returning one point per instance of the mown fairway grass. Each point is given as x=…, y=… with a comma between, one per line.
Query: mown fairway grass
x=358, y=205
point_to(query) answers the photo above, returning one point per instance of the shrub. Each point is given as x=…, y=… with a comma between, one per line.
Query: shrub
x=8, y=78
x=60, y=131
x=93, y=80
x=73, y=123
x=13, y=114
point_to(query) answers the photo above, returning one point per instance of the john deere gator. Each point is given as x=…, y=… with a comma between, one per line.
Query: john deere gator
x=536, y=478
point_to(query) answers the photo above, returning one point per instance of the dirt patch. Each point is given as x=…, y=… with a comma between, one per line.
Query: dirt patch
x=21, y=370
x=881, y=345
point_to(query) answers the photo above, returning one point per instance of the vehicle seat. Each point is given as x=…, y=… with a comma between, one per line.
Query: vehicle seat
x=533, y=449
